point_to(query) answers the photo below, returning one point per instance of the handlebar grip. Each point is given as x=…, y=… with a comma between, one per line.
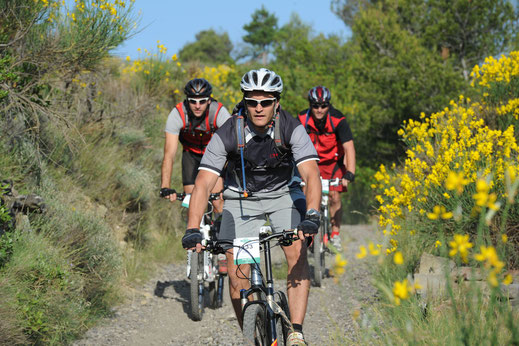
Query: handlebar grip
x=165, y=192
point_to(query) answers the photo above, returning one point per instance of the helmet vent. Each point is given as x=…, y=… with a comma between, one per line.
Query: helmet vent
x=255, y=78
x=265, y=79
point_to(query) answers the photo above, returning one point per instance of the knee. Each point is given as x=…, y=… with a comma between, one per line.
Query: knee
x=296, y=255
x=335, y=198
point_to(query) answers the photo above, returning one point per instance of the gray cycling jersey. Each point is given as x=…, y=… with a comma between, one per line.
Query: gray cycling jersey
x=174, y=123
x=264, y=170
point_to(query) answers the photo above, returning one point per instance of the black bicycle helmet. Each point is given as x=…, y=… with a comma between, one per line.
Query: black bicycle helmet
x=319, y=94
x=198, y=87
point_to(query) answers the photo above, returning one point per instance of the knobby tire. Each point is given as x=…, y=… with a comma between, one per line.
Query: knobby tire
x=254, y=326
x=319, y=266
x=197, y=299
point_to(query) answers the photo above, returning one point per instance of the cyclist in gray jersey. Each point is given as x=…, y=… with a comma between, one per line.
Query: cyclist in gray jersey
x=260, y=183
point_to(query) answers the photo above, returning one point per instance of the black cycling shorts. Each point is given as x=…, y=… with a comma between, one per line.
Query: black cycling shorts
x=190, y=164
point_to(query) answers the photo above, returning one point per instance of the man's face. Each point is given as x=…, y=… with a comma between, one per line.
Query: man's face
x=261, y=107
x=319, y=110
x=198, y=105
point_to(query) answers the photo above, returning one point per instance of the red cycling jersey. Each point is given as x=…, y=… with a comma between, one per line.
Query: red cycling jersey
x=327, y=139
x=196, y=138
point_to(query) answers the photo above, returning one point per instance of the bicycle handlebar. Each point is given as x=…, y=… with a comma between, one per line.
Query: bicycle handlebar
x=331, y=182
x=283, y=236
x=181, y=195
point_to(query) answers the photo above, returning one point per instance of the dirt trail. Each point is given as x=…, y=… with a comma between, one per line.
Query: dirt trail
x=158, y=314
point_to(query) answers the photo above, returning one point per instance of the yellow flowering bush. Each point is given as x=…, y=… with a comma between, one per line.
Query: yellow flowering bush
x=223, y=80
x=457, y=162
x=155, y=70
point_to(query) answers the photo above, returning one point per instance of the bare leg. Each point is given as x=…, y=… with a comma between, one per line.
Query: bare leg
x=298, y=280
x=335, y=211
x=238, y=280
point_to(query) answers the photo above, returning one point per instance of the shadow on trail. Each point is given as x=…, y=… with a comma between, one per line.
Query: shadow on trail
x=180, y=292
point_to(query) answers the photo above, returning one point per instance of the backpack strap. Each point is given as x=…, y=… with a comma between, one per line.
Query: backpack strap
x=277, y=132
x=240, y=140
x=331, y=122
x=180, y=110
x=216, y=115
x=306, y=119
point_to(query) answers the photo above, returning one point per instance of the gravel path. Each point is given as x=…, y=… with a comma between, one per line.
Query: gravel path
x=158, y=313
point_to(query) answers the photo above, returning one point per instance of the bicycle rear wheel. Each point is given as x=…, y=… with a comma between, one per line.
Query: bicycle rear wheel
x=197, y=286
x=319, y=265
x=254, y=325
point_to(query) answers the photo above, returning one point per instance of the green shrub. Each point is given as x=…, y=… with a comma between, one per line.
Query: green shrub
x=50, y=305
x=88, y=241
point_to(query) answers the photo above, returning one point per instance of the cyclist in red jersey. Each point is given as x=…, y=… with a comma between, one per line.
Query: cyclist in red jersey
x=333, y=140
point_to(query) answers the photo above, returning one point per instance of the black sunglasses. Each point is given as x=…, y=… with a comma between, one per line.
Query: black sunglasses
x=254, y=103
x=320, y=105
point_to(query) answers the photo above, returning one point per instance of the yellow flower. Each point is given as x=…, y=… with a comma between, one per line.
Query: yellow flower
x=455, y=181
x=363, y=252
x=398, y=258
x=438, y=244
x=339, y=265
x=460, y=245
x=504, y=238
x=373, y=250
x=489, y=256
x=439, y=211
x=400, y=291
x=508, y=279
x=128, y=58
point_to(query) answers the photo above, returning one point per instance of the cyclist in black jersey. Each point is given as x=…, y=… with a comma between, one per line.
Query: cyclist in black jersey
x=260, y=147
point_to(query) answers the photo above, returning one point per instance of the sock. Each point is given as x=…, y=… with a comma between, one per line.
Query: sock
x=298, y=327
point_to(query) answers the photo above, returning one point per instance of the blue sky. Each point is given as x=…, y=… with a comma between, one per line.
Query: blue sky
x=176, y=23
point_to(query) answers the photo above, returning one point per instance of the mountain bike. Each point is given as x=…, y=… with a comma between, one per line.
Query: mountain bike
x=266, y=318
x=203, y=268
x=320, y=242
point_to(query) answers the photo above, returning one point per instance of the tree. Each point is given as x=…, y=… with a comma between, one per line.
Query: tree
x=306, y=60
x=466, y=31
x=396, y=78
x=209, y=47
x=261, y=32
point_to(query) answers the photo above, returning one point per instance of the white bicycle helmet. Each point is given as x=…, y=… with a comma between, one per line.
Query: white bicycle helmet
x=262, y=80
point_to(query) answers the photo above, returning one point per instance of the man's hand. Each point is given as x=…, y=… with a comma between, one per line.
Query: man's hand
x=310, y=225
x=192, y=239
x=168, y=193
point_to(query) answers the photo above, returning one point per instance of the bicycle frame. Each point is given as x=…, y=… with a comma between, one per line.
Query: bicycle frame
x=263, y=285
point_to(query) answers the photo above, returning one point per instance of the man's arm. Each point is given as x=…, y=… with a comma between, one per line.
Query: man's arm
x=170, y=150
x=204, y=183
x=349, y=159
x=310, y=175
x=309, y=172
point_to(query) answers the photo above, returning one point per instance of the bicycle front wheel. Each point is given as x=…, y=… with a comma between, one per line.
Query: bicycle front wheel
x=197, y=286
x=319, y=266
x=254, y=325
